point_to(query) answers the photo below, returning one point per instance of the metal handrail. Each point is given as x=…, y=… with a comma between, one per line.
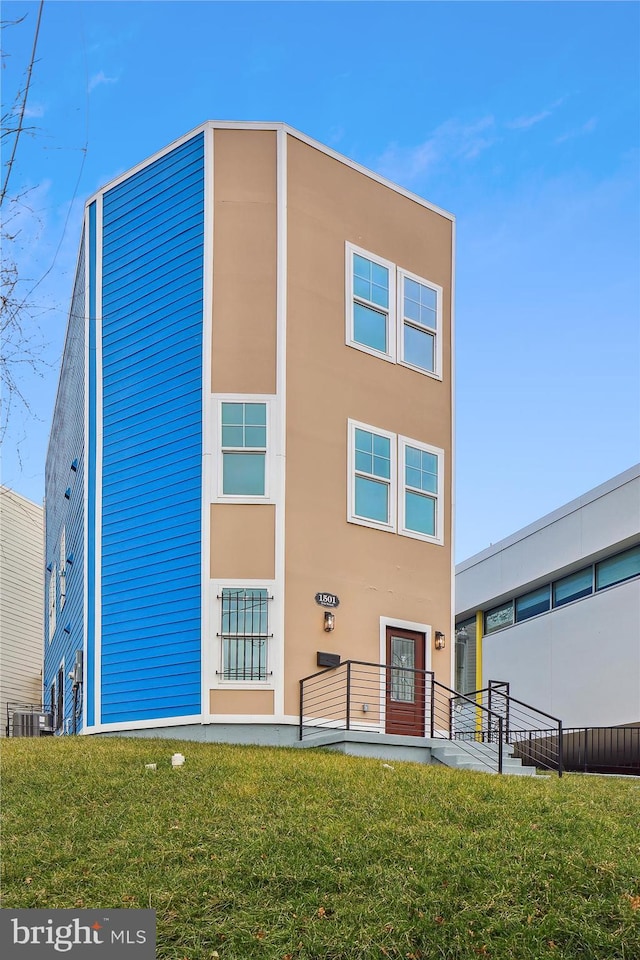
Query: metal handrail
x=493, y=718
x=508, y=696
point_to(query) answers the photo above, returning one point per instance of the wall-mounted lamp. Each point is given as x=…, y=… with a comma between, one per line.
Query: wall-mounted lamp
x=329, y=621
x=440, y=640
x=365, y=708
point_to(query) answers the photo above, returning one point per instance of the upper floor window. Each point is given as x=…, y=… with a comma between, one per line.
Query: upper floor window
x=371, y=476
x=405, y=328
x=618, y=569
x=533, y=603
x=498, y=617
x=243, y=462
x=421, y=502
x=370, y=303
x=421, y=318
x=573, y=587
x=409, y=497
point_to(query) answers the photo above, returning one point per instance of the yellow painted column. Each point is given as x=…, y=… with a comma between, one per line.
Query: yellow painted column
x=479, y=720
x=479, y=650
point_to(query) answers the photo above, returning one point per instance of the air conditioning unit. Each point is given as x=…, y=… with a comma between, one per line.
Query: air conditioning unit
x=31, y=723
x=45, y=723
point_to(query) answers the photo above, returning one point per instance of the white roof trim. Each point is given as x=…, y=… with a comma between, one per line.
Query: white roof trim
x=627, y=476
x=275, y=126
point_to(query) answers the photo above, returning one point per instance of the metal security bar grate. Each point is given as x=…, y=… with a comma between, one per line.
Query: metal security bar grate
x=244, y=633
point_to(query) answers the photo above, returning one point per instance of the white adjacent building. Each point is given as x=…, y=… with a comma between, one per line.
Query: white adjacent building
x=21, y=607
x=555, y=610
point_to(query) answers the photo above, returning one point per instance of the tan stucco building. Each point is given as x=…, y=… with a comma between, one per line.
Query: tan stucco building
x=319, y=459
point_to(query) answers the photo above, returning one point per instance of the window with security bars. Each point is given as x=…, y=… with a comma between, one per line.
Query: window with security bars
x=245, y=633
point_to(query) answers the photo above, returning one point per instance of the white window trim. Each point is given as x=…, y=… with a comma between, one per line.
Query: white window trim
x=217, y=681
x=63, y=569
x=270, y=479
x=437, y=332
x=352, y=517
x=390, y=355
x=403, y=443
x=52, y=601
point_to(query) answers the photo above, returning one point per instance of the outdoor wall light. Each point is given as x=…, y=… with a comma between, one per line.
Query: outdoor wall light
x=329, y=621
x=365, y=708
x=440, y=640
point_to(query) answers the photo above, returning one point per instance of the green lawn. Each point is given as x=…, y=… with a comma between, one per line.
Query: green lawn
x=273, y=854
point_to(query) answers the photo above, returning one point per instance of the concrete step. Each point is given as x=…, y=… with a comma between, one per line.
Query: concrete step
x=482, y=757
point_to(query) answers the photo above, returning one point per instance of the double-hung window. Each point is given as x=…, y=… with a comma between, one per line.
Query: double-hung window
x=371, y=476
x=370, y=303
x=405, y=328
x=421, y=501
x=245, y=633
x=243, y=462
x=408, y=498
x=420, y=313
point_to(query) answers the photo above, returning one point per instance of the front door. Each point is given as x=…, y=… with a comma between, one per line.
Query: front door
x=405, y=682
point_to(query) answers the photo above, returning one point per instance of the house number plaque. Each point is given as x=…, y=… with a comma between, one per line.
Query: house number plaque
x=327, y=600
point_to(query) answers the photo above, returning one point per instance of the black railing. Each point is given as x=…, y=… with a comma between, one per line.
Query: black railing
x=536, y=736
x=602, y=749
x=380, y=698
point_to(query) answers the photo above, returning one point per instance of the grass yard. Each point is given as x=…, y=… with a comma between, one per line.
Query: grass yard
x=291, y=855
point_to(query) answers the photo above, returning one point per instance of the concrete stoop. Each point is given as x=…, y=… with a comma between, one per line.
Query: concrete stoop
x=382, y=746
x=479, y=757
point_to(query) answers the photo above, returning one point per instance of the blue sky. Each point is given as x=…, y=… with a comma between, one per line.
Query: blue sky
x=523, y=119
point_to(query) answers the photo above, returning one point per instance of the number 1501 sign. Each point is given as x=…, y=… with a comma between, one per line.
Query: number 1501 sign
x=327, y=599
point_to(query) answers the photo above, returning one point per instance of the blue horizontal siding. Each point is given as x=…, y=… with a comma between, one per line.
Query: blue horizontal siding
x=153, y=231
x=67, y=512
